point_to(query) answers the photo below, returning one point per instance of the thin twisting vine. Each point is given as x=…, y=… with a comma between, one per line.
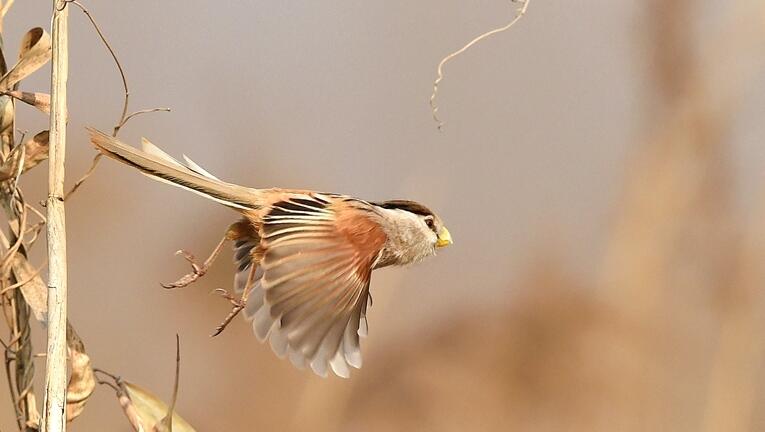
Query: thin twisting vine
x=440, y=73
x=124, y=117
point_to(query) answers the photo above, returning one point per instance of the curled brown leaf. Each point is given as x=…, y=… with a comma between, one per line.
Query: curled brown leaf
x=83, y=379
x=35, y=52
x=81, y=384
x=34, y=151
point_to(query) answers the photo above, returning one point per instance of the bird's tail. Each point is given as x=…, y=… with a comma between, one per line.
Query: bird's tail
x=158, y=165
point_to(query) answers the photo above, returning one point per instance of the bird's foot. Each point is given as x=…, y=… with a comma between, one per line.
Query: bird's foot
x=237, y=304
x=197, y=271
x=234, y=300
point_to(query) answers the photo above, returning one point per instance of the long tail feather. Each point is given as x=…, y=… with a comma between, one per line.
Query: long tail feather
x=158, y=165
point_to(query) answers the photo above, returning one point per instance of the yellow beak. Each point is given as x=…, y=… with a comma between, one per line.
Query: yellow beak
x=444, y=238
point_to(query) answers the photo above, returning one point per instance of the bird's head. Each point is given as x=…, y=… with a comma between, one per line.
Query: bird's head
x=418, y=231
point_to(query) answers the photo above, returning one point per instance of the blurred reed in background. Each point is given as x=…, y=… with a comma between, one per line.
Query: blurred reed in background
x=669, y=337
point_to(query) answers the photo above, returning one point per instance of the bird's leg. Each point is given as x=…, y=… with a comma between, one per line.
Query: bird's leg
x=237, y=303
x=197, y=270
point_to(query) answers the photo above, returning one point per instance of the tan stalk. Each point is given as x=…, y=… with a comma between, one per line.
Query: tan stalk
x=54, y=419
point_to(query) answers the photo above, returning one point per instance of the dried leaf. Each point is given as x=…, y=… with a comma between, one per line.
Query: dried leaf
x=35, y=52
x=81, y=384
x=40, y=101
x=32, y=287
x=35, y=151
x=35, y=291
x=150, y=409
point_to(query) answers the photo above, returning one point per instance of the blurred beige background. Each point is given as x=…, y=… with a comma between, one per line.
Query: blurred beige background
x=601, y=171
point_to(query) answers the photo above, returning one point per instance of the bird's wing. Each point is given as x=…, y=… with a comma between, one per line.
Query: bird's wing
x=318, y=255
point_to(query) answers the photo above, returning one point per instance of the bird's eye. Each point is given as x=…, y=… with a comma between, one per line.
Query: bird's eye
x=430, y=223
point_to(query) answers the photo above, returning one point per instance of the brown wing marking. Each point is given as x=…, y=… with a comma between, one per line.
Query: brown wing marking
x=317, y=261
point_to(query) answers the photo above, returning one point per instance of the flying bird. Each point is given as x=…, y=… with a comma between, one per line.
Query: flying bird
x=303, y=259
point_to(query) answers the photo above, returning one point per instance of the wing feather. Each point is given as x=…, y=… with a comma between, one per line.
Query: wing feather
x=317, y=259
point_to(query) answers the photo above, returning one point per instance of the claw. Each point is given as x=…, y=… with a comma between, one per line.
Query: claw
x=237, y=303
x=188, y=256
x=238, y=306
x=197, y=271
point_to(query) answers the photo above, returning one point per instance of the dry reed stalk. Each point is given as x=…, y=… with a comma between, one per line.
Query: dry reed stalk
x=735, y=382
x=736, y=375
x=668, y=223
x=54, y=418
x=673, y=250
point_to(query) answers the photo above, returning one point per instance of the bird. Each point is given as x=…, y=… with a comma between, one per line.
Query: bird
x=303, y=259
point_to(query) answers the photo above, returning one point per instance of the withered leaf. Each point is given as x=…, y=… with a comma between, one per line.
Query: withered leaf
x=150, y=409
x=33, y=289
x=35, y=52
x=38, y=100
x=81, y=384
x=35, y=151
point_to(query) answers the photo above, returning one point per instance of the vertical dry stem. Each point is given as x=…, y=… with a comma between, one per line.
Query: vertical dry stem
x=54, y=419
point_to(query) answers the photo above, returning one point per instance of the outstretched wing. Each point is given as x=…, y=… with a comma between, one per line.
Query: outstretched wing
x=318, y=255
